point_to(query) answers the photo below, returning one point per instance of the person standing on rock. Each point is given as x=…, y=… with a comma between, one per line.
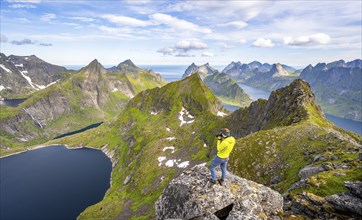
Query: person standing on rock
x=225, y=144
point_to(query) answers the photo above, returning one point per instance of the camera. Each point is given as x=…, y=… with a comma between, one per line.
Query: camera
x=218, y=135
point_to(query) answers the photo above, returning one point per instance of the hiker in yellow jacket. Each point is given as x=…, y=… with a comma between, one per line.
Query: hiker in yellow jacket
x=225, y=145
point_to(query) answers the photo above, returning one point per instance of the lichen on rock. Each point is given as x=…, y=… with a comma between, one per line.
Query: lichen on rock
x=192, y=196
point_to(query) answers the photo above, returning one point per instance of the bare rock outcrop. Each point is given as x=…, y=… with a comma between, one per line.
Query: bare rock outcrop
x=193, y=196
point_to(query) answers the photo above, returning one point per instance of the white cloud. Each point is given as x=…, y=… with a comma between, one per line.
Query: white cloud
x=3, y=39
x=226, y=46
x=25, y=1
x=83, y=19
x=262, y=42
x=137, y=2
x=207, y=54
x=48, y=17
x=179, y=24
x=190, y=44
x=126, y=21
x=22, y=6
x=242, y=41
x=182, y=48
x=166, y=51
x=235, y=24
x=314, y=39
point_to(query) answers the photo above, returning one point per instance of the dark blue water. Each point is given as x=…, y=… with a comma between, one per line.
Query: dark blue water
x=12, y=102
x=79, y=131
x=52, y=183
x=350, y=125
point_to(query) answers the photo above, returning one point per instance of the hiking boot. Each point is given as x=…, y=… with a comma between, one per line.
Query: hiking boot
x=221, y=181
x=212, y=181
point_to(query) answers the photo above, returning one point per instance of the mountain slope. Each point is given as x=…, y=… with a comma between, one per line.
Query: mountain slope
x=164, y=130
x=275, y=78
x=203, y=70
x=337, y=86
x=289, y=145
x=160, y=132
x=225, y=88
x=88, y=96
x=23, y=74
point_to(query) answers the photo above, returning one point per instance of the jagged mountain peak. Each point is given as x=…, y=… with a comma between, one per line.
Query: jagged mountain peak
x=94, y=67
x=285, y=106
x=203, y=70
x=278, y=70
x=127, y=63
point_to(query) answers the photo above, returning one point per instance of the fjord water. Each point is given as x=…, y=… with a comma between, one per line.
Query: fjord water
x=52, y=182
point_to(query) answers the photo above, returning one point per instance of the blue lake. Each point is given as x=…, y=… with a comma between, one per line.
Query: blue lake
x=12, y=102
x=52, y=183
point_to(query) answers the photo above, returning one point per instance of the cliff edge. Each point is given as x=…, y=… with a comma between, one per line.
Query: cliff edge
x=192, y=196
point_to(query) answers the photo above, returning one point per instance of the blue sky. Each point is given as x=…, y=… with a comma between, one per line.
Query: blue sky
x=72, y=32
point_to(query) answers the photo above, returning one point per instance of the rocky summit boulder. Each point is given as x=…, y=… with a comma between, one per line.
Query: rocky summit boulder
x=193, y=196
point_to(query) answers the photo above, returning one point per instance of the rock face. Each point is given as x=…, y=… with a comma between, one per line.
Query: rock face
x=23, y=74
x=192, y=196
x=224, y=87
x=284, y=107
x=337, y=86
x=203, y=70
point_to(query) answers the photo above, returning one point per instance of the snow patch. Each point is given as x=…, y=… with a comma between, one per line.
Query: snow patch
x=169, y=130
x=115, y=90
x=27, y=78
x=170, y=163
x=187, y=116
x=222, y=114
x=169, y=148
x=1, y=87
x=170, y=138
x=19, y=65
x=6, y=69
x=205, y=145
x=184, y=164
x=153, y=113
x=160, y=159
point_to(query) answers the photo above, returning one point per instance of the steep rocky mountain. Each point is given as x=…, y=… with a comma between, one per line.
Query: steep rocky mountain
x=91, y=95
x=275, y=78
x=203, y=70
x=23, y=74
x=337, y=86
x=283, y=142
x=225, y=88
x=242, y=71
x=288, y=144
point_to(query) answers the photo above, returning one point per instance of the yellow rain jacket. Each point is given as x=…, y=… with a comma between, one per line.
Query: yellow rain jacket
x=224, y=147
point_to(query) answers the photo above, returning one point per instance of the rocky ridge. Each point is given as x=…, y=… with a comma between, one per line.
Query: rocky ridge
x=23, y=74
x=192, y=196
x=203, y=70
x=225, y=88
x=88, y=96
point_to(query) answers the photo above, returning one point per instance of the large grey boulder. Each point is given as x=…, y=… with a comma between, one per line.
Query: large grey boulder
x=193, y=196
